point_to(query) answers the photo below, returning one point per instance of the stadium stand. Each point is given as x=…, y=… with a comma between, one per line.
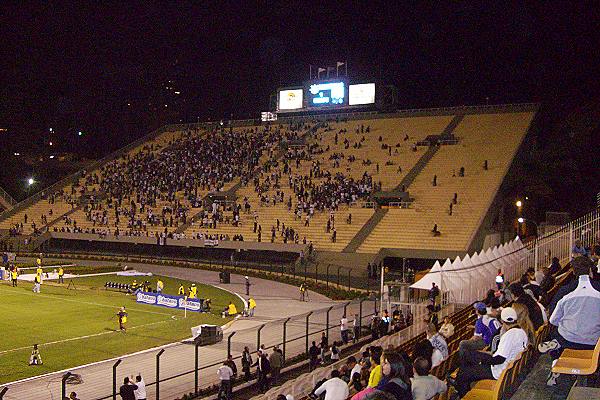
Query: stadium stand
x=491, y=137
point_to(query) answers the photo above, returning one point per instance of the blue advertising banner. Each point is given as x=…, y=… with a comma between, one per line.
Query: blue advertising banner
x=165, y=300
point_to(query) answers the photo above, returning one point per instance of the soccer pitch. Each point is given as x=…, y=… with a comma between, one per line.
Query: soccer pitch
x=79, y=326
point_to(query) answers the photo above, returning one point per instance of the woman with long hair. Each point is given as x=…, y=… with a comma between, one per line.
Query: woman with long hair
x=524, y=321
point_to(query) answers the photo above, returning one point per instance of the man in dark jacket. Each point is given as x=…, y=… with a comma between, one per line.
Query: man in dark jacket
x=262, y=371
x=535, y=312
x=127, y=389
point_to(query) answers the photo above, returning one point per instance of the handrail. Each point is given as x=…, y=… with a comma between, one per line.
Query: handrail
x=9, y=199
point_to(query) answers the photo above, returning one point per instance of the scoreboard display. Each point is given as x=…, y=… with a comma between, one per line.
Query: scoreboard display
x=325, y=94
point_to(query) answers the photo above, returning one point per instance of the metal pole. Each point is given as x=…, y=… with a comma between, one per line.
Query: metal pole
x=327, y=274
x=3, y=392
x=258, y=336
x=63, y=387
x=316, y=274
x=360, y=316
x=114, y=394
x=338, y=281
x=285, y=335
x=305, y=272
x=158, y=373
x=229, y=343
x=346, y=308
x=349, y=273
x=327, y=323
x=307, y=317
x=381, y=287
x=196, y=367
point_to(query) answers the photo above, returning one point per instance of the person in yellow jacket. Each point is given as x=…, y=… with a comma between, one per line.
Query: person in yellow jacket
x=159, y=286
x=13, y=276
x=230, y=310
x=61, y=275
x=181, y=290
x=251, y=306
x=39, y=271
x=193, y=291
x=122, y=316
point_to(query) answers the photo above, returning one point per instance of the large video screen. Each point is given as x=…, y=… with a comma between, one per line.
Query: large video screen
x=326, y=94
x=290, y=99
x=363, y=93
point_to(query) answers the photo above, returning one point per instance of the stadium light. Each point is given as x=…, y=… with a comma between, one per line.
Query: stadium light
x=521, y=220
x=51, y=130
x=30, y=181
x=50, y=143
x=80, y=133
x=519, y=203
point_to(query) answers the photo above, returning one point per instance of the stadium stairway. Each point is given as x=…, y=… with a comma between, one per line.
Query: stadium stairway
x=368, y=227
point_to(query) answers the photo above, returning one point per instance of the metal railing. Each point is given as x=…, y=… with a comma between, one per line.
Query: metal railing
x=197, y=369
x=538, y=253
x=7, y=197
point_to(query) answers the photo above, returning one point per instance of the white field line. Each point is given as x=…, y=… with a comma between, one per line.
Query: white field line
x=89, y=303
x=83, y=337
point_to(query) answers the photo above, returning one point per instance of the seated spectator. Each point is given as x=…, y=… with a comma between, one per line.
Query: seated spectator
x=395, y=382
x=579, y=250
x=447, y=328
x=375, y=374
x=530, y=285
x=334, y=388
x=440, y=352
x=423, y=349
x=575, y=313
x=535, y=313
x=546, y=284
x=354, y=376
x=555, y=266
x=485, y=329
x=478, y=365
x=524, y=321
x=423, y=385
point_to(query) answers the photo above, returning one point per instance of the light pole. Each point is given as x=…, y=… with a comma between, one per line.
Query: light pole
x=522, y=220
x=30, y=182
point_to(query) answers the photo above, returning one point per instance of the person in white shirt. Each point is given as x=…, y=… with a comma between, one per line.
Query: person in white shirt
x=225, y=373
x=440, y=347
x=334, y=388
x=140, y=392
x=355, y=369
x=479, y=365
x=423, y=385
x=344, y=329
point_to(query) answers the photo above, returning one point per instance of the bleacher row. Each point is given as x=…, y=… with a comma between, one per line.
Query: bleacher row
x=463, y=321
x=386, y=153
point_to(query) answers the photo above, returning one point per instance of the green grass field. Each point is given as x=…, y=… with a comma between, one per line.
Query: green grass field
x=75, y=327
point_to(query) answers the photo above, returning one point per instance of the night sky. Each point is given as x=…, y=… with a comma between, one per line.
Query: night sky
x=105, y=69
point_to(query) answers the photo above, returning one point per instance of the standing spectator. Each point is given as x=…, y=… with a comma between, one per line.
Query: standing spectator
x=313, y=355
x=225, y=374
x=324, y=346
x=127, y=390
x=478, y=365
x=246, y=363
x=423, y=385
x=355, y=328
x=344, y=329
x=140, y=392
x=247, y=285
x=575, y=313
x=335, y=353
x=334, y=388
x=434, y=294
x=276, y=361
x=262, y=371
